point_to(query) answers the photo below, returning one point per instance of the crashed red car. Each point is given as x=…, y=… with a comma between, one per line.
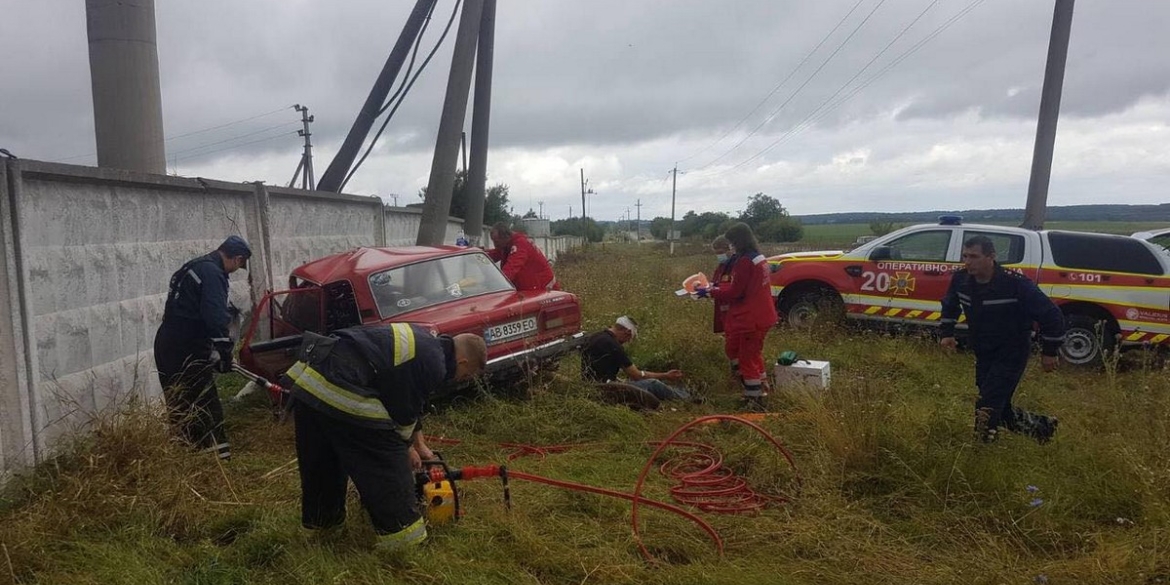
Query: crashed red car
x=447, y=289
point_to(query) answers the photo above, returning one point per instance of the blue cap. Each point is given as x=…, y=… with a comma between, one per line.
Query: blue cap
x=235, y=246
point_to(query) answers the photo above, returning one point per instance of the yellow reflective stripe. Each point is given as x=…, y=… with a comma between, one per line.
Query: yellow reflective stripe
x=1135, y=336
x=872, y=310
x=403, y=343
x=411, y=535
x=337, y=397
x=935, y=316
x=893, y=312
x=913, y=314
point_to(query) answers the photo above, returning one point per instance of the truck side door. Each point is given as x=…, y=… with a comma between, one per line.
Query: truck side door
x=910, y=274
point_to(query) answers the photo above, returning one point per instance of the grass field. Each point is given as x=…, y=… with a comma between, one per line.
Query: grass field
x=894, y=489
x=845, y=233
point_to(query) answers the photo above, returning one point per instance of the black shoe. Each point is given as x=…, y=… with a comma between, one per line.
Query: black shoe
x=754, y=404
x=1048, y=432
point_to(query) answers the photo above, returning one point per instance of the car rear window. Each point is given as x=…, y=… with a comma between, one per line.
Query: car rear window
x=1103, y=252
x=424, y=284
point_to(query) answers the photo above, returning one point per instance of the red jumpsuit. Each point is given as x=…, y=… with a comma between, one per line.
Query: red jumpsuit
x=749, y=316
x=524, y=264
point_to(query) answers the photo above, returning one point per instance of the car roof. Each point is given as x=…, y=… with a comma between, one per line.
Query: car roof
x=362, y=262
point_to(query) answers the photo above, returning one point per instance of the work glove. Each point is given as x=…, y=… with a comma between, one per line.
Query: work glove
x=702, y=293
x=224, y=349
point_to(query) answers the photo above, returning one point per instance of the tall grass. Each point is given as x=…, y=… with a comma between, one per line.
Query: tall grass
x=895, y=489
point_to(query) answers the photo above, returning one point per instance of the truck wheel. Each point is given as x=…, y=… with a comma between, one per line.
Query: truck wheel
x=812, y=307
x=1085, y=340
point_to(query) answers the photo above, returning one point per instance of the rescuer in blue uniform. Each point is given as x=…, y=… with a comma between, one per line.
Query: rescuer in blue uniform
x=1001, y=308
x=358, y=399
x=193, y=341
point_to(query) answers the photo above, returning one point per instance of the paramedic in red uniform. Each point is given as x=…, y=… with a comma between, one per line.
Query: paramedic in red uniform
x=523, y=264
x=750, y=313
x=722, y=277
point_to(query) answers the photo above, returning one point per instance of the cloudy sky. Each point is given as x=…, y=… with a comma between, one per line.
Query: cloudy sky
x=842, y=105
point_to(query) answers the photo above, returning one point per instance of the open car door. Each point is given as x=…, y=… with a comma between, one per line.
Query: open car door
x=270, y=346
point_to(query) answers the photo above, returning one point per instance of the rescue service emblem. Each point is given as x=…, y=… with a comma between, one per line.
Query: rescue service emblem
x=903, y=284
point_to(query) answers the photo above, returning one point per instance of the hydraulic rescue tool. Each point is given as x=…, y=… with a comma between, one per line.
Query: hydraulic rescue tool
x=276, y=393
x=439, y=494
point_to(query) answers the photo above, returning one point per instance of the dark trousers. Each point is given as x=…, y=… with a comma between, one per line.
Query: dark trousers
x=377, y=460
x=185, y=372
x=998, y=371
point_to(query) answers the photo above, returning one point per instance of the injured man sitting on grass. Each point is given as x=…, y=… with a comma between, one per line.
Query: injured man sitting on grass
x=602, y=357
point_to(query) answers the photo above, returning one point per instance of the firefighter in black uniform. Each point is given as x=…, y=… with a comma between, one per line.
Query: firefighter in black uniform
x=1001, y=308
x=358, y=397
x=193, y=341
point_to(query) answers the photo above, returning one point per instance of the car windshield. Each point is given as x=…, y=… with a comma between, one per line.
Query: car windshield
x=429, y=283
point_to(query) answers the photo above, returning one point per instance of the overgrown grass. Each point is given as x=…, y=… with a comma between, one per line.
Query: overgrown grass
x=895, y=491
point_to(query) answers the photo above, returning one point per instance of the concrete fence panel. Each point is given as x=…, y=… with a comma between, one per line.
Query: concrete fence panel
x=96, y=250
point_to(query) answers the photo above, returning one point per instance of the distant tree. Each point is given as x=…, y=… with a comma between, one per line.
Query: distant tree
x=780, y=229
x=530, y=215
x=881, y=228
x=704, y=225
x=573, y=227
x=659, y=227
x=495, y=204
x=760, y=209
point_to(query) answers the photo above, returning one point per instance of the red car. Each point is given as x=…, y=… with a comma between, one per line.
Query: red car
x=448, y=289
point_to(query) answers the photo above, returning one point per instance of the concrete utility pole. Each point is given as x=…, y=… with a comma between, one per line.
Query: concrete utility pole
x=306, y=163
x=673, y=185
x=639, y=224
x=1037, y=205
x=127, y=99
x=343, y=160
x=436, y=208
x=480, y=122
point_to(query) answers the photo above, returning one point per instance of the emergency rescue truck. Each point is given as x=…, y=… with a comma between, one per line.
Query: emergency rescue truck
x=1114, y=290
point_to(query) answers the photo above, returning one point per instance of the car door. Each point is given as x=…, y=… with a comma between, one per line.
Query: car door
x=270, y=345
x=910, y=274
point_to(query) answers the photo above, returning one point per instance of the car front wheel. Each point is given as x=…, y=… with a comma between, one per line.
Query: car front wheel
x=812, y=307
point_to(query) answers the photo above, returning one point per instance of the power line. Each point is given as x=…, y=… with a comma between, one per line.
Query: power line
x=810, y=120
x=778, y=85
x=404, y=90
x=772, y=115
x=194, y=132
x=234, y=138
x=281, y=135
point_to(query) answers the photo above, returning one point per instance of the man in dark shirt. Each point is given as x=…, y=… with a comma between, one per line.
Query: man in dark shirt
x=193, y=342
x=1001, y=308
x=602, y=357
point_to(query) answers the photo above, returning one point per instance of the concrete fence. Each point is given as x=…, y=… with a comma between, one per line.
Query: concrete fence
x=87, y=254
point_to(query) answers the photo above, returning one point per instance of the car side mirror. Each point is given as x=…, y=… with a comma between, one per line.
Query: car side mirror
x=881, y=253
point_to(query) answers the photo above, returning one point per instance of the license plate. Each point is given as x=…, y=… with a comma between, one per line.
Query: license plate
x=497, y=333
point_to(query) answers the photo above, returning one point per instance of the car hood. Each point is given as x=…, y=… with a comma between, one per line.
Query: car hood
x=483, y=306
x=821, y=255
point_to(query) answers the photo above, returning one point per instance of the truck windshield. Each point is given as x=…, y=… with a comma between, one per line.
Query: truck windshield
x=432, y=282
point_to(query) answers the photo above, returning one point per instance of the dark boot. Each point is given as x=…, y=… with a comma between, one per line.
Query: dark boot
x=754, y=404
x=1037, y=426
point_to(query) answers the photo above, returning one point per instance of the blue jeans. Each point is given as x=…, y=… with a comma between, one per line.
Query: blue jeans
x=662, y=391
